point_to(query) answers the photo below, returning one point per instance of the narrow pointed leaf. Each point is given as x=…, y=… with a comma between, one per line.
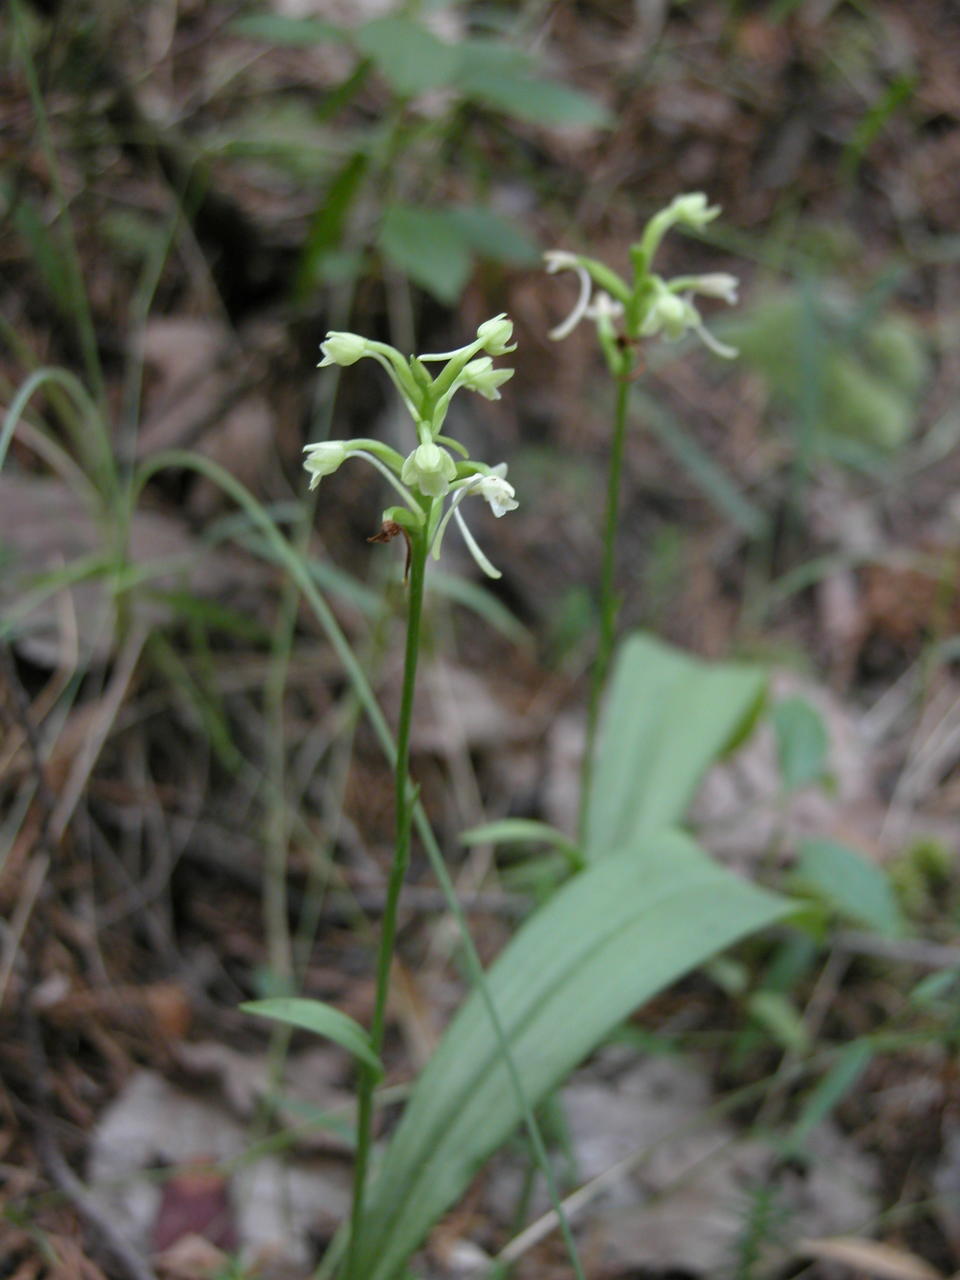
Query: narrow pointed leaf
x=322, y=1019
x=616, y=934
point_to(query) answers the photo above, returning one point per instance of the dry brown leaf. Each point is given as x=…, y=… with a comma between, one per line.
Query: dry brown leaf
x=202, y=399
x=884, y=1261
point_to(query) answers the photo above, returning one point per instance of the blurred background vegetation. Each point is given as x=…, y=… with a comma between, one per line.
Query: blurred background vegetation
x=191, y=194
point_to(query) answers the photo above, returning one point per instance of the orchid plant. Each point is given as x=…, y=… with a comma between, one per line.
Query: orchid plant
x=433, y=480
x=624, y=315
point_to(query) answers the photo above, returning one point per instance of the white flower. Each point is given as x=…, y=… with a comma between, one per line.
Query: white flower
x=669, y=315
x=716, y=284
x=495, y=490
x=480, y=376
x=429, y=469
x=493, y=487
x=603, y=307
x=673, y=316
x=323, y=459
x=342, y=348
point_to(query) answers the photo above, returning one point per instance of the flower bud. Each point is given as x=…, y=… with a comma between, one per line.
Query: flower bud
x=342, y=348
x=692, y=210
x=323, y=459
x=429, y=469
x=716, y=284
x=495, y=335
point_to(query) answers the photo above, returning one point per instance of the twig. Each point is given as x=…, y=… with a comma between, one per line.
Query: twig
x=915, y=951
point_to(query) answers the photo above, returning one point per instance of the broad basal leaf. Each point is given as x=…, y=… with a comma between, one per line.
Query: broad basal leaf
x=668, y=716
x=611, y=938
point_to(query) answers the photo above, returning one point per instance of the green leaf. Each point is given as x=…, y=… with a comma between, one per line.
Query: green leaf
x=426, y=246
x=322, y=1019
x=524, y=97
x=409, y=56
x=855, y=887
x=606, y=942
x=779, y=1017
x=801, y=742
x=494, y=237
x=668, y=716
x=327, y=225
x=299, y=33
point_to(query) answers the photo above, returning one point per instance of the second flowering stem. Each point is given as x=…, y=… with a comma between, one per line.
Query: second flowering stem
x=608, y=605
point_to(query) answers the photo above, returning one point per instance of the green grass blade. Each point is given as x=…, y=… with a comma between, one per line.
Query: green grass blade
x=610, y=939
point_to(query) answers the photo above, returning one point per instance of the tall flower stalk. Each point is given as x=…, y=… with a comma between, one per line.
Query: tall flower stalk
x=625, y=314
x=433, y=481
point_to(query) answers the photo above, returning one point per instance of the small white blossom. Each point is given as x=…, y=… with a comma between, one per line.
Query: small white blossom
x=716, y=284
x=674, y=316
x=323, y=459
x=342, y=348
x=495, y=490
x=603, y=307
x=480, y=376
x=429, y=469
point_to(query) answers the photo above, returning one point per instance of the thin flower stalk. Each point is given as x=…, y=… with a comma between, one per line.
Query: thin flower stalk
x=433, y=481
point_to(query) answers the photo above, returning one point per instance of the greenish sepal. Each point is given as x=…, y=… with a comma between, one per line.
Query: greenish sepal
x=379, y=450
x=448, y=375
x=606, y=278
x=641, y=265
x=420, y=375
x=453, y=444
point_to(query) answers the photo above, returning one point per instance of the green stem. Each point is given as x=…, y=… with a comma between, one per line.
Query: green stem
x=404, y=803
x=608, y=604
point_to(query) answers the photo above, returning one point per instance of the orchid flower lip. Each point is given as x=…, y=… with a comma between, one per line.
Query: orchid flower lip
x=718, y=348
x=561, y=260
x=481, y=560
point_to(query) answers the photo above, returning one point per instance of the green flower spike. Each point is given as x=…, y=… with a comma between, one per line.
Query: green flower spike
x=651, y=306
